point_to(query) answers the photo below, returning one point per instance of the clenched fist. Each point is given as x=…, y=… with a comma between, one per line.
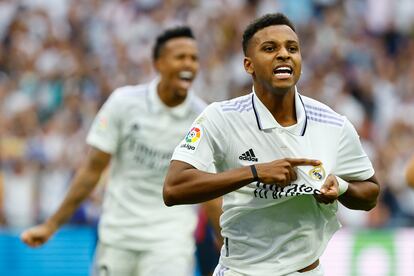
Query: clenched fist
x=38, y=235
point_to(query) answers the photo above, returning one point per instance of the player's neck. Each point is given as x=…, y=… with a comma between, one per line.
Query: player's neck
x=281, y=105
x=169, y=96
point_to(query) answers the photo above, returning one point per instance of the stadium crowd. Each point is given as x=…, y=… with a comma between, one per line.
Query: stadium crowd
x=60, y=59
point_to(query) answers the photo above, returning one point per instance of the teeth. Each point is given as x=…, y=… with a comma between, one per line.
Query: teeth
x=186, y=75
x=283, y=68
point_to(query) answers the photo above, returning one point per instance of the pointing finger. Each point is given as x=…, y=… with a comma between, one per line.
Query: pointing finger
x=303, y=162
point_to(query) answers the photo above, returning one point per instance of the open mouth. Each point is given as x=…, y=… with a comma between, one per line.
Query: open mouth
x=283, y=72
x=186, y=75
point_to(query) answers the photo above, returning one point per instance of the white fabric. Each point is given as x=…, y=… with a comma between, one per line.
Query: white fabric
x=269, y=230
x=155, y=261
x=141, y=132
x=343, y=185
x=221, y=270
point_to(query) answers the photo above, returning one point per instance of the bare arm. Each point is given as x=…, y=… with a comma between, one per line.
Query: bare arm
x=213, y=210
x=361, y=195
x=81, y=187
x=409, y=173
x=2, y=217
x=184, y=184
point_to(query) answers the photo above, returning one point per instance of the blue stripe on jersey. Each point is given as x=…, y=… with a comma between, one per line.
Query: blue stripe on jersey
x=240, y=105
x=322, y=115
x=325, y=116
x=319, y=120
x=305, y=125
x=256, y=114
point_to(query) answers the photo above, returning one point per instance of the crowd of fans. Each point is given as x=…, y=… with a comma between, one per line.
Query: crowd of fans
x=60, y=60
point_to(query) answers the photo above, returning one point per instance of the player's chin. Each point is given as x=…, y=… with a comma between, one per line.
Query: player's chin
x=181, y=93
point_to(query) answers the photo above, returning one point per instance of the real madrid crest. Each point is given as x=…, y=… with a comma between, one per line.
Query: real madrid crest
x=317, y=173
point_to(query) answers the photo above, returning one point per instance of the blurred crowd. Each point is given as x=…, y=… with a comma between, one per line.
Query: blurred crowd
x=61, y=59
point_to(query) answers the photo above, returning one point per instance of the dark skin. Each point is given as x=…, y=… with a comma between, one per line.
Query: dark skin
x=409, y=173
x=272, y=47
x=177, y=55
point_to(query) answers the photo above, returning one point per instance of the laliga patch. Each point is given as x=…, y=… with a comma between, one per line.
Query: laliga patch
x=102, y=123
x=192, y=139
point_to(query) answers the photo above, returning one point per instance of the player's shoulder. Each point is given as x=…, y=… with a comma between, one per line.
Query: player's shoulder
x=129, y=92
x=228, y=111
x=321, y=113
x=125, y=96
x=236, y=105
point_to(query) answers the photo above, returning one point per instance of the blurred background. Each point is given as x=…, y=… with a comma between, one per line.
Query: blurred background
x=61, y=59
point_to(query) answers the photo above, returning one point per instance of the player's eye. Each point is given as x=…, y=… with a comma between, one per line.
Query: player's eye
x=293, y=49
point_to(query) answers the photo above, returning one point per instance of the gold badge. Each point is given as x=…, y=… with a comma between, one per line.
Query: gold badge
x=317, y=173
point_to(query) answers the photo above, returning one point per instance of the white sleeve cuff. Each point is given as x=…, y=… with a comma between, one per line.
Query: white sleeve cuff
x=343, y=185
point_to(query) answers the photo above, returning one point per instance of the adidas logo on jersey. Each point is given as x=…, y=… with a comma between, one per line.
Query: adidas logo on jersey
x=248, y=156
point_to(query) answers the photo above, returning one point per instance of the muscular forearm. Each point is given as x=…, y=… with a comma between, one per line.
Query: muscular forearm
x=186, y=185
x=81, y=187
x=191, y=186
x=361, y=195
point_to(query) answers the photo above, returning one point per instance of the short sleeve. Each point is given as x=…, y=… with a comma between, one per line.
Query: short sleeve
x=204, y=145
x=352, y=161
x=104, y=132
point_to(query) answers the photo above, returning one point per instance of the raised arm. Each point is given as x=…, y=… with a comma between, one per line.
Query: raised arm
x=81, y=187
x=184, y=184
x=409, y=173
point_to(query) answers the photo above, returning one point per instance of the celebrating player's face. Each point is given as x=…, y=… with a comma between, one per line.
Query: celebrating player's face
x=274, y=59
x=178, y=64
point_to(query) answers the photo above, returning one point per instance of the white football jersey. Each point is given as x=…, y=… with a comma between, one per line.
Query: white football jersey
x=140, y=133
x=270, y=230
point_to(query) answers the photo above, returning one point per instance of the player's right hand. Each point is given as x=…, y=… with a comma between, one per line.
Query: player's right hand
x=38, y=235
x=282, y=172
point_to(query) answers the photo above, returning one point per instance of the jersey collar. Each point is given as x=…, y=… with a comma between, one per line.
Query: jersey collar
x=157, y=106
x=265, y=119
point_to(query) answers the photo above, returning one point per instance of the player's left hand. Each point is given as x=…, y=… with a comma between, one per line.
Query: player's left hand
x=329, y=191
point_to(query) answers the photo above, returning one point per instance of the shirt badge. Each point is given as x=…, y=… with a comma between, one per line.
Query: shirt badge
x=317, y=173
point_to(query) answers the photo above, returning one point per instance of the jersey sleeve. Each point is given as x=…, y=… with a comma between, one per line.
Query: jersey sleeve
x=352, y=161
x=104, y=132
x=204, y=145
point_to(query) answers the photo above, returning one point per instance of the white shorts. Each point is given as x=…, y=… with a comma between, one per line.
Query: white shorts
x=224, y=271
x=111, y=261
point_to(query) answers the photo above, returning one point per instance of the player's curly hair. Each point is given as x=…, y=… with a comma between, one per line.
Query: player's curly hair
x=180, y=31
x=263, y=22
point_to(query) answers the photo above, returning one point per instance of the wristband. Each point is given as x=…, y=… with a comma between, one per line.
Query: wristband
x=343, y=185
x=254, y=172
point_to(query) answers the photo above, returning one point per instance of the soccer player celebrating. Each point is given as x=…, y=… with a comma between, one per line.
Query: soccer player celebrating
x=283, y=161
x=136, y=131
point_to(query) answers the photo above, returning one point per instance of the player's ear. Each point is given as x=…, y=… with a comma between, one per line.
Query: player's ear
x=248, y=65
